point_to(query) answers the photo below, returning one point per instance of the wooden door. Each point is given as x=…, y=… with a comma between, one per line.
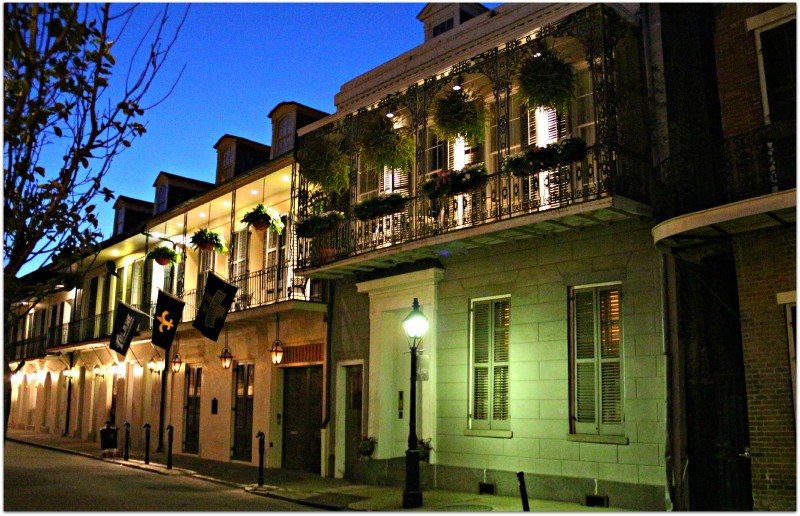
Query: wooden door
x=302, y=418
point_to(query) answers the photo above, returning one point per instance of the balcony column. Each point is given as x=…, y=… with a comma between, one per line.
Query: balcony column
x=233, y=230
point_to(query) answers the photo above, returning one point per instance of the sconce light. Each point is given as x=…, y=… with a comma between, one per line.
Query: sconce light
x=176, y=363
x=98, y=371
x=276, y=352
x=155, y=367
x=67, y=373
x=458, y=82
x=226, y=358
x=392, y=109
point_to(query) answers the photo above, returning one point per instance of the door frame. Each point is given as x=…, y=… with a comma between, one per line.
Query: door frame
x=341, y=400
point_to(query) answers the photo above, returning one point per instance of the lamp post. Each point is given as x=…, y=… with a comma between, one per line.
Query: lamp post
x=415, y=325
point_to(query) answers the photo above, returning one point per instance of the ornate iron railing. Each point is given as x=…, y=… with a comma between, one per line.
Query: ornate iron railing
x=256, y=289
x=502, y=197
x=742, y=167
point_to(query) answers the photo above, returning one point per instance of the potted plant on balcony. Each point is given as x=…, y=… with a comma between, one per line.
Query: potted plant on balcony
x=385, y=146
x=572, y=149
x=164, y=255
x=324, y=162
x=440, y=184
x=262, y=217
x=314, y=225
x=546, y=79
x=458, y=113
x=516, y=164
x=205, y=239
x=380, y=206
x=469, y=178
x=543, y=158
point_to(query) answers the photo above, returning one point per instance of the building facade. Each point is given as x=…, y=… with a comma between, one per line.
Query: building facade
x=608, y=273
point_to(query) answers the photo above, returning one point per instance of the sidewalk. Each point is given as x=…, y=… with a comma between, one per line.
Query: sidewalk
x=298, y=486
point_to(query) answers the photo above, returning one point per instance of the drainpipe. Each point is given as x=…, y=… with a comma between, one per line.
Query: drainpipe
x=69, y=394
x=329, y=367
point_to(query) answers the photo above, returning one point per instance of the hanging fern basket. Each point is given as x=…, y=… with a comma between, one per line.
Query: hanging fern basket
x=456, y=113
x=547, y=80
x=385, y=146
x=324, y=162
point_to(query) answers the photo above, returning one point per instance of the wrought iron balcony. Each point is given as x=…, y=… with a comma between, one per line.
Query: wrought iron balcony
x=259, y=288
x=503, y=197
x=742, y=167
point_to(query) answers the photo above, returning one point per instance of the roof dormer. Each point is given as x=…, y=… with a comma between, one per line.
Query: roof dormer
x=287, y=118
x=440, y=18
x=172, y=190
x=236, y=155
x=129, y=213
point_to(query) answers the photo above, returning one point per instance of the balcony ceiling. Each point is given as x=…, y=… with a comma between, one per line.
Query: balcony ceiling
x=575, y=217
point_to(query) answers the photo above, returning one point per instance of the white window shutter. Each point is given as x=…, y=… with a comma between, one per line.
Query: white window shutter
x=585, y=385
x=611, y=377
x=480, y=365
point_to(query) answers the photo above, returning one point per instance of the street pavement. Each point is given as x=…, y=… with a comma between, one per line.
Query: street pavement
x=298, y=486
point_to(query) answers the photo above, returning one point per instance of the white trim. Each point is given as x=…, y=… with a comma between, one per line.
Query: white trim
x=782, y=14
x=784, y=298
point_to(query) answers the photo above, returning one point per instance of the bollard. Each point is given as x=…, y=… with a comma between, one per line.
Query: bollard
x=261, y=437
x=169, y=447
x=523, y=492
x=127, y=439
x=147, y=443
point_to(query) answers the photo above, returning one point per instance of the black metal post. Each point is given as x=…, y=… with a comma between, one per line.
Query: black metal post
x=162, y=405
x=261, y=437
x=169, y=447
x=147, y=443
x=127, y=439
x=523, y=491
x=412, y=496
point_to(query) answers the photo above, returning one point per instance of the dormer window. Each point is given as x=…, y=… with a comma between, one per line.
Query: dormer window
x=443, y=27
x=226, y=163
x=284, y=140
x=119, y=221
x=161, y=199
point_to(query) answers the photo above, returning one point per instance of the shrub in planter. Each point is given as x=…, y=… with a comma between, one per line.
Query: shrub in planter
x=262, y=217
x=379, y=206
x=324, y=162
x=316, y=224
x=207, y=240
x=424, y=446
x=457, y=113
x=164, y=255
x=367, y=446
x=384, y=145
x=546, y=79
x=572, y=149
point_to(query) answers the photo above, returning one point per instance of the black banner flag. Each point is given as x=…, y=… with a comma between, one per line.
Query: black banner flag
x=217, y=300
x=169, y=311
x=126, y=325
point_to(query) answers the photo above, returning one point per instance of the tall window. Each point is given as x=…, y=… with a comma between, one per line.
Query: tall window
x=489, y=358
x=161, y=198
x=372, y=182
x=596, y=361
x=779, y=62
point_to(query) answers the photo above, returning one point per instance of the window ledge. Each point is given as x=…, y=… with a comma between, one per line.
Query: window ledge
x=601, y=439
x=499, y=434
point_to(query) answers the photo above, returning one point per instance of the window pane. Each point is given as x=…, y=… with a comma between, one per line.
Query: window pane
x=609, y=323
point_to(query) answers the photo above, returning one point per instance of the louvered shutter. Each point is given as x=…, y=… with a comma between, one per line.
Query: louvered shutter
x=610, y=364
x=524, y=130
x=490, y=361
x=585, y=385
x=480, y=365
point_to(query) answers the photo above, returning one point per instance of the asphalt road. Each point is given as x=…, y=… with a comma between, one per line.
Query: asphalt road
x=36, y=479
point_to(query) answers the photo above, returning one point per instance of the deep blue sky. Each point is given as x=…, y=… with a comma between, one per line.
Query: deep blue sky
x=242, y=60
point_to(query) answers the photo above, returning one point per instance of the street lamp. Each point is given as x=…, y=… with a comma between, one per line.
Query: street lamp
x=176, y=363
x=415, y=325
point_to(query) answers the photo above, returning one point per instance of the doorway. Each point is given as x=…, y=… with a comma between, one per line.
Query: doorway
x=243, y=413
x=353, y=430
x=302, y=419
x=191, y=409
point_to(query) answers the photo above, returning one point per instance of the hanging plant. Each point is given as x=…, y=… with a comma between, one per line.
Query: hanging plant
x=164, y=255
x=379, y=206
x=546, y=79
x=457, y=113
x=262, y=217
x=205, y=239
x=384, y=145
x=317, y=224
x=323, y=162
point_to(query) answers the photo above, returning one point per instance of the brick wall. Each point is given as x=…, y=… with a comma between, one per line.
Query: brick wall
x=737, y=68
x=765, y=265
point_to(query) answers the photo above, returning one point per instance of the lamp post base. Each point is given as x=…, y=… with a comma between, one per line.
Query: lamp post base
x=412, y=499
